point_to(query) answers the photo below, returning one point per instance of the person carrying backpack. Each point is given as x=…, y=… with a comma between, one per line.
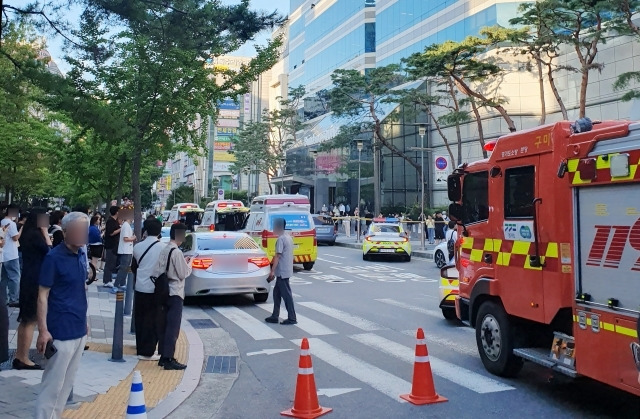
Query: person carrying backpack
x=451, y=238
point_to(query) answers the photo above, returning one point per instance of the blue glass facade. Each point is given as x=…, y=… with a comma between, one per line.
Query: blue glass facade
x=402, y=15
x=315, y=54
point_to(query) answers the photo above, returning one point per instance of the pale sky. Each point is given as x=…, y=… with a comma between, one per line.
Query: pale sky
x=247, y=50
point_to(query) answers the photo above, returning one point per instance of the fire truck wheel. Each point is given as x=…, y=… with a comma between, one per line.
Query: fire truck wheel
x=494, y=337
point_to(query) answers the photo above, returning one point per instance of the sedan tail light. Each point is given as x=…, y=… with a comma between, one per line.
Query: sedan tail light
x=212, y=227
x=201, y=263
x=260, y=262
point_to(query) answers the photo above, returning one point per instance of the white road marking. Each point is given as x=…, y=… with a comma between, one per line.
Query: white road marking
x=380, y=380
x=312, y=327
x=329, y=261
x=359, y=322
x=257, y=329
x=461, y=376
x=268, y=352
x=296, y=295
x=449, y=344
x=421, y=310
x=331, y=392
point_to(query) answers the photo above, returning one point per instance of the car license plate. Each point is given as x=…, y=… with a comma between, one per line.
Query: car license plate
x=387, y=250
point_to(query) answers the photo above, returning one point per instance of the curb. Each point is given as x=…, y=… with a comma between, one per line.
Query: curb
x=191, y=376
x=416, y=253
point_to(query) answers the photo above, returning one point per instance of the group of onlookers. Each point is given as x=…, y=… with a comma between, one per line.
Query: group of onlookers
x=44, y=259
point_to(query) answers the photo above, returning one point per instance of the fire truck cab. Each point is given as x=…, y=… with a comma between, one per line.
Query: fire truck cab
x=549, y=255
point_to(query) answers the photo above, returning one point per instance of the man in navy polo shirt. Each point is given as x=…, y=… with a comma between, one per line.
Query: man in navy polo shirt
x=62, y=314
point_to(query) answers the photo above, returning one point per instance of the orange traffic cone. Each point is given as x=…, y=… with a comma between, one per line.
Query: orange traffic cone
x=306, y=404
x=422, y=389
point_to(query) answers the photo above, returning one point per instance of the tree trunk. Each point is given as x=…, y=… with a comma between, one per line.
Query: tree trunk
x=476, y=113
x=456, y=107
x=135, y=192
x=556, y=93
x=584, y=83
x=543, y=103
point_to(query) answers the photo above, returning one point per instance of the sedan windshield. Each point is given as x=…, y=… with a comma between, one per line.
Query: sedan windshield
x=385, y=229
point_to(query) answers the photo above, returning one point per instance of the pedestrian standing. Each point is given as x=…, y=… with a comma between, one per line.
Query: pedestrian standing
x=62, y=315
x=4, y=313
x=347, y=224
x=177, y=268
x=431, y=229
x=35, y=246
x=55, y=230
x=282, y=271
x=111, y=240
x=95, y=242
x=10, y=275
x=439, y=227
x=146, y=312
x=125, y=250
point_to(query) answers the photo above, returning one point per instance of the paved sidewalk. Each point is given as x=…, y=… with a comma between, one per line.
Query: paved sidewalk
x=101, y=387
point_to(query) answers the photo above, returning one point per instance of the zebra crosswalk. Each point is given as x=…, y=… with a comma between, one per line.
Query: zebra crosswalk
x=323, y=324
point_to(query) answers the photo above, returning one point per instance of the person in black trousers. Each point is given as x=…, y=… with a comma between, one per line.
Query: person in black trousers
x=111, y=240
x=173, y=262
x=147, y=312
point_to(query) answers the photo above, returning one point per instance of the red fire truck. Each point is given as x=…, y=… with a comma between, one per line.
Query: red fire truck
x=549, y=257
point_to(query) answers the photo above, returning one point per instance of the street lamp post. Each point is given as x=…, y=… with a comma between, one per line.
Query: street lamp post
x=283, y=162
x=314, y=155
x=359, y=146
x=422, y=130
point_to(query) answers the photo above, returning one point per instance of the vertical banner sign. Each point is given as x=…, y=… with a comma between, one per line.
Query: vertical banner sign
x=220, y=194
x=442, y=168
x=247, y=103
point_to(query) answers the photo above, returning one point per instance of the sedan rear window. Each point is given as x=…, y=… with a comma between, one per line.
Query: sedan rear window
x=322, y=221
x=226, y=243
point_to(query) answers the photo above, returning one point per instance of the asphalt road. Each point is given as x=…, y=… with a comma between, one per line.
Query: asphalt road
x=361, y=319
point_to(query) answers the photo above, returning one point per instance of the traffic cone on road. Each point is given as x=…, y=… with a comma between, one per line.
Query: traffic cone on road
x=423, y=390
x=305, y=404
x=136, y=408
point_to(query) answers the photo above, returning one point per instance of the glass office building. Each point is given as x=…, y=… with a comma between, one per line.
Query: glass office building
x=326, y=35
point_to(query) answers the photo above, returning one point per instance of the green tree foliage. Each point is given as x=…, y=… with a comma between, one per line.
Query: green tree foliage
x=179, y=195
x=359, y=96
x=152, y=75
x=578, y=24
x=463, y=66
x=261, y=145
x=537, y=41
x=27, y=131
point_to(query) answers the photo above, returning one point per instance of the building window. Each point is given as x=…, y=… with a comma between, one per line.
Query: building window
x=519, y=192
x=370, y=37
x=475, y=197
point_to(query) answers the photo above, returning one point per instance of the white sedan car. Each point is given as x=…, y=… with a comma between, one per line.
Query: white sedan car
x=226, y=263
x=441, y=255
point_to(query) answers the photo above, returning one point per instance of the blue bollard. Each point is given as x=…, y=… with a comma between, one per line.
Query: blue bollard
x=118, y=326
x=128, y=301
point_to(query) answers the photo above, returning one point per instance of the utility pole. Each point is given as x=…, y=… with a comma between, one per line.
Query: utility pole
x=377, y=198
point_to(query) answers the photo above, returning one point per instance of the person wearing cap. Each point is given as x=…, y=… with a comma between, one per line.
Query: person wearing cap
x=282, y=270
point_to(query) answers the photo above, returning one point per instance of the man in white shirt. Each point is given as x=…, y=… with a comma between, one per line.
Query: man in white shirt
x=145, y=256
x=125, y=250
x=10, y=276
